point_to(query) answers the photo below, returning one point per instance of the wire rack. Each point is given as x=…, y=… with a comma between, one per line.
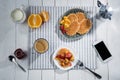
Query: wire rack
x=49, y=31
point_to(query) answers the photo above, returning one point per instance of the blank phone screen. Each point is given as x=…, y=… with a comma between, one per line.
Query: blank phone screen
x=102, y=50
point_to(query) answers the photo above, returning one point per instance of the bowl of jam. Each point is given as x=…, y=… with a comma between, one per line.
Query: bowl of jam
x=19, y=53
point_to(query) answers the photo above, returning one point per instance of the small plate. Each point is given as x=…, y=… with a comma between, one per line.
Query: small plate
x=77, y=36
x=57, y=63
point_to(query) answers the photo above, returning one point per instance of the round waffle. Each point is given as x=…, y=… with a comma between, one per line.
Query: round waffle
x=72, y=17
x=73, y=28
x=85, y=26
x=81, y=16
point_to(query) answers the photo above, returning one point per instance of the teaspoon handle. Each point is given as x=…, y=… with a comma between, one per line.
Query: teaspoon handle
x=94, y=73
x=19, y=66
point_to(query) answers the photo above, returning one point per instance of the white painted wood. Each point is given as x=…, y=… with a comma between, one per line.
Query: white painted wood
x=34, y=75
x=21, y=2
x=75, y=74
x=61, y=3
x=35, y=2
x=22, y=40
x=48, y=74
x=108, y=71
x=114, y=41
x=80, y=2
x=61, y=75
x=101, y=30
x=7, y=40
x=21, y=75
x=80, y=74
x=48, y=3
x=22, y=36
x=73, y=3
x=102, y=69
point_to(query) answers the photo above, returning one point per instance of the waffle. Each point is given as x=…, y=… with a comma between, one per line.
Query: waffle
x=73, y=28
x=85, y=26
x=72, y=17
x=80, y=16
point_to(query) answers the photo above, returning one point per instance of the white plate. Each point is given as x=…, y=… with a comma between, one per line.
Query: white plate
x=57, y=63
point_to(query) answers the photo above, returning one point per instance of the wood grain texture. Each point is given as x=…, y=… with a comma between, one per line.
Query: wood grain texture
x=35, y=2
x=48, y=74
x=114, y=41
x=21, y=35
x=35, y=75
x=7, y=40
x=80, y=74
x=61, y=75
x=49, y=3
x=8, y=34
x=103, y=70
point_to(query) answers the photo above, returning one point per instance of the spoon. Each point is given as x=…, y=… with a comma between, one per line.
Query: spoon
x=94, y=73
x=13, y=59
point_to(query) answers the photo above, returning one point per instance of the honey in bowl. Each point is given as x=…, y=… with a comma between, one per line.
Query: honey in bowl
x=41, y=45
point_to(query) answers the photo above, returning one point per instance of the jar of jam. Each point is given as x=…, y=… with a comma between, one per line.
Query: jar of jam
x=19, y=53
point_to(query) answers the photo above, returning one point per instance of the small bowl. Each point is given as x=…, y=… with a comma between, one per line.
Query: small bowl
x=57, y=63
x=41, y=51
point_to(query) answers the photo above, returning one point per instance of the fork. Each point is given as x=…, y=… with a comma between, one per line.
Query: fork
x=94, y=73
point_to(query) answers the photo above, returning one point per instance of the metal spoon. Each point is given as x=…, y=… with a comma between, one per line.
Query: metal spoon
x=94, y=73
x=13, y=59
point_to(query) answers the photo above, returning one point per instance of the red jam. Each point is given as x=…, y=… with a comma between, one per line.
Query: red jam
x=19, y=53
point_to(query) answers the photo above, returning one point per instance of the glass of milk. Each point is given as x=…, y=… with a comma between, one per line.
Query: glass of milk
x=18, y=15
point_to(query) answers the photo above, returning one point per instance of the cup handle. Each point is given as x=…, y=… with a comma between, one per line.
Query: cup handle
x=23, y=7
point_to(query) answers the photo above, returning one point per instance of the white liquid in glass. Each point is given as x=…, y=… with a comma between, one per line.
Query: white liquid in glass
x=17, y=15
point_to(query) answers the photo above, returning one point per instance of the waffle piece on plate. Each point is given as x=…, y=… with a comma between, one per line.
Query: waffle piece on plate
x=72, y=17
x=85, y=26
x=80, y=16
x=73, y=28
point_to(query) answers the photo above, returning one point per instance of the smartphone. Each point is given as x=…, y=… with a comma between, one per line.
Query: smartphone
x=102, y=50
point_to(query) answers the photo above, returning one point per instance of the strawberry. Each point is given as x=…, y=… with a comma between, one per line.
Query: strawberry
x=61, y=27
x=62, y=56
x=63, y=31
x=69, y=64
x=58, y=56
x=68, y=55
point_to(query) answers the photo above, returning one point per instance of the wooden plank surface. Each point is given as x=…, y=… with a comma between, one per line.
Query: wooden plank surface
x=7, y=40
x=34, y=75
x=114, y=41
x=9, y=37
x=22, y=41
x=80, y=74
x=48, y=74
x=61, y=75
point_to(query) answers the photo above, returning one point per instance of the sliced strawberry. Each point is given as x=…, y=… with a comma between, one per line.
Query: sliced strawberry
x=62, y=56
x=61, y=27
x=58, y=56
x=70, y=64
x=63, y=31
x=68, y=55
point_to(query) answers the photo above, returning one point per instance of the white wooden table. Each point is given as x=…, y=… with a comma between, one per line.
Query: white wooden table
x=14, y=36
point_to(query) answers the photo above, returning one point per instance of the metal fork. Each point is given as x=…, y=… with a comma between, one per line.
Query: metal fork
x=94, y=73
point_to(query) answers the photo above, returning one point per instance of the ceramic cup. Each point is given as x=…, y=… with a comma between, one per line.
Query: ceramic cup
x=18, y=15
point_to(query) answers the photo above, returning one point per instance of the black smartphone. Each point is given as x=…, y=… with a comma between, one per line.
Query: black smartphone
x=102, y=50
